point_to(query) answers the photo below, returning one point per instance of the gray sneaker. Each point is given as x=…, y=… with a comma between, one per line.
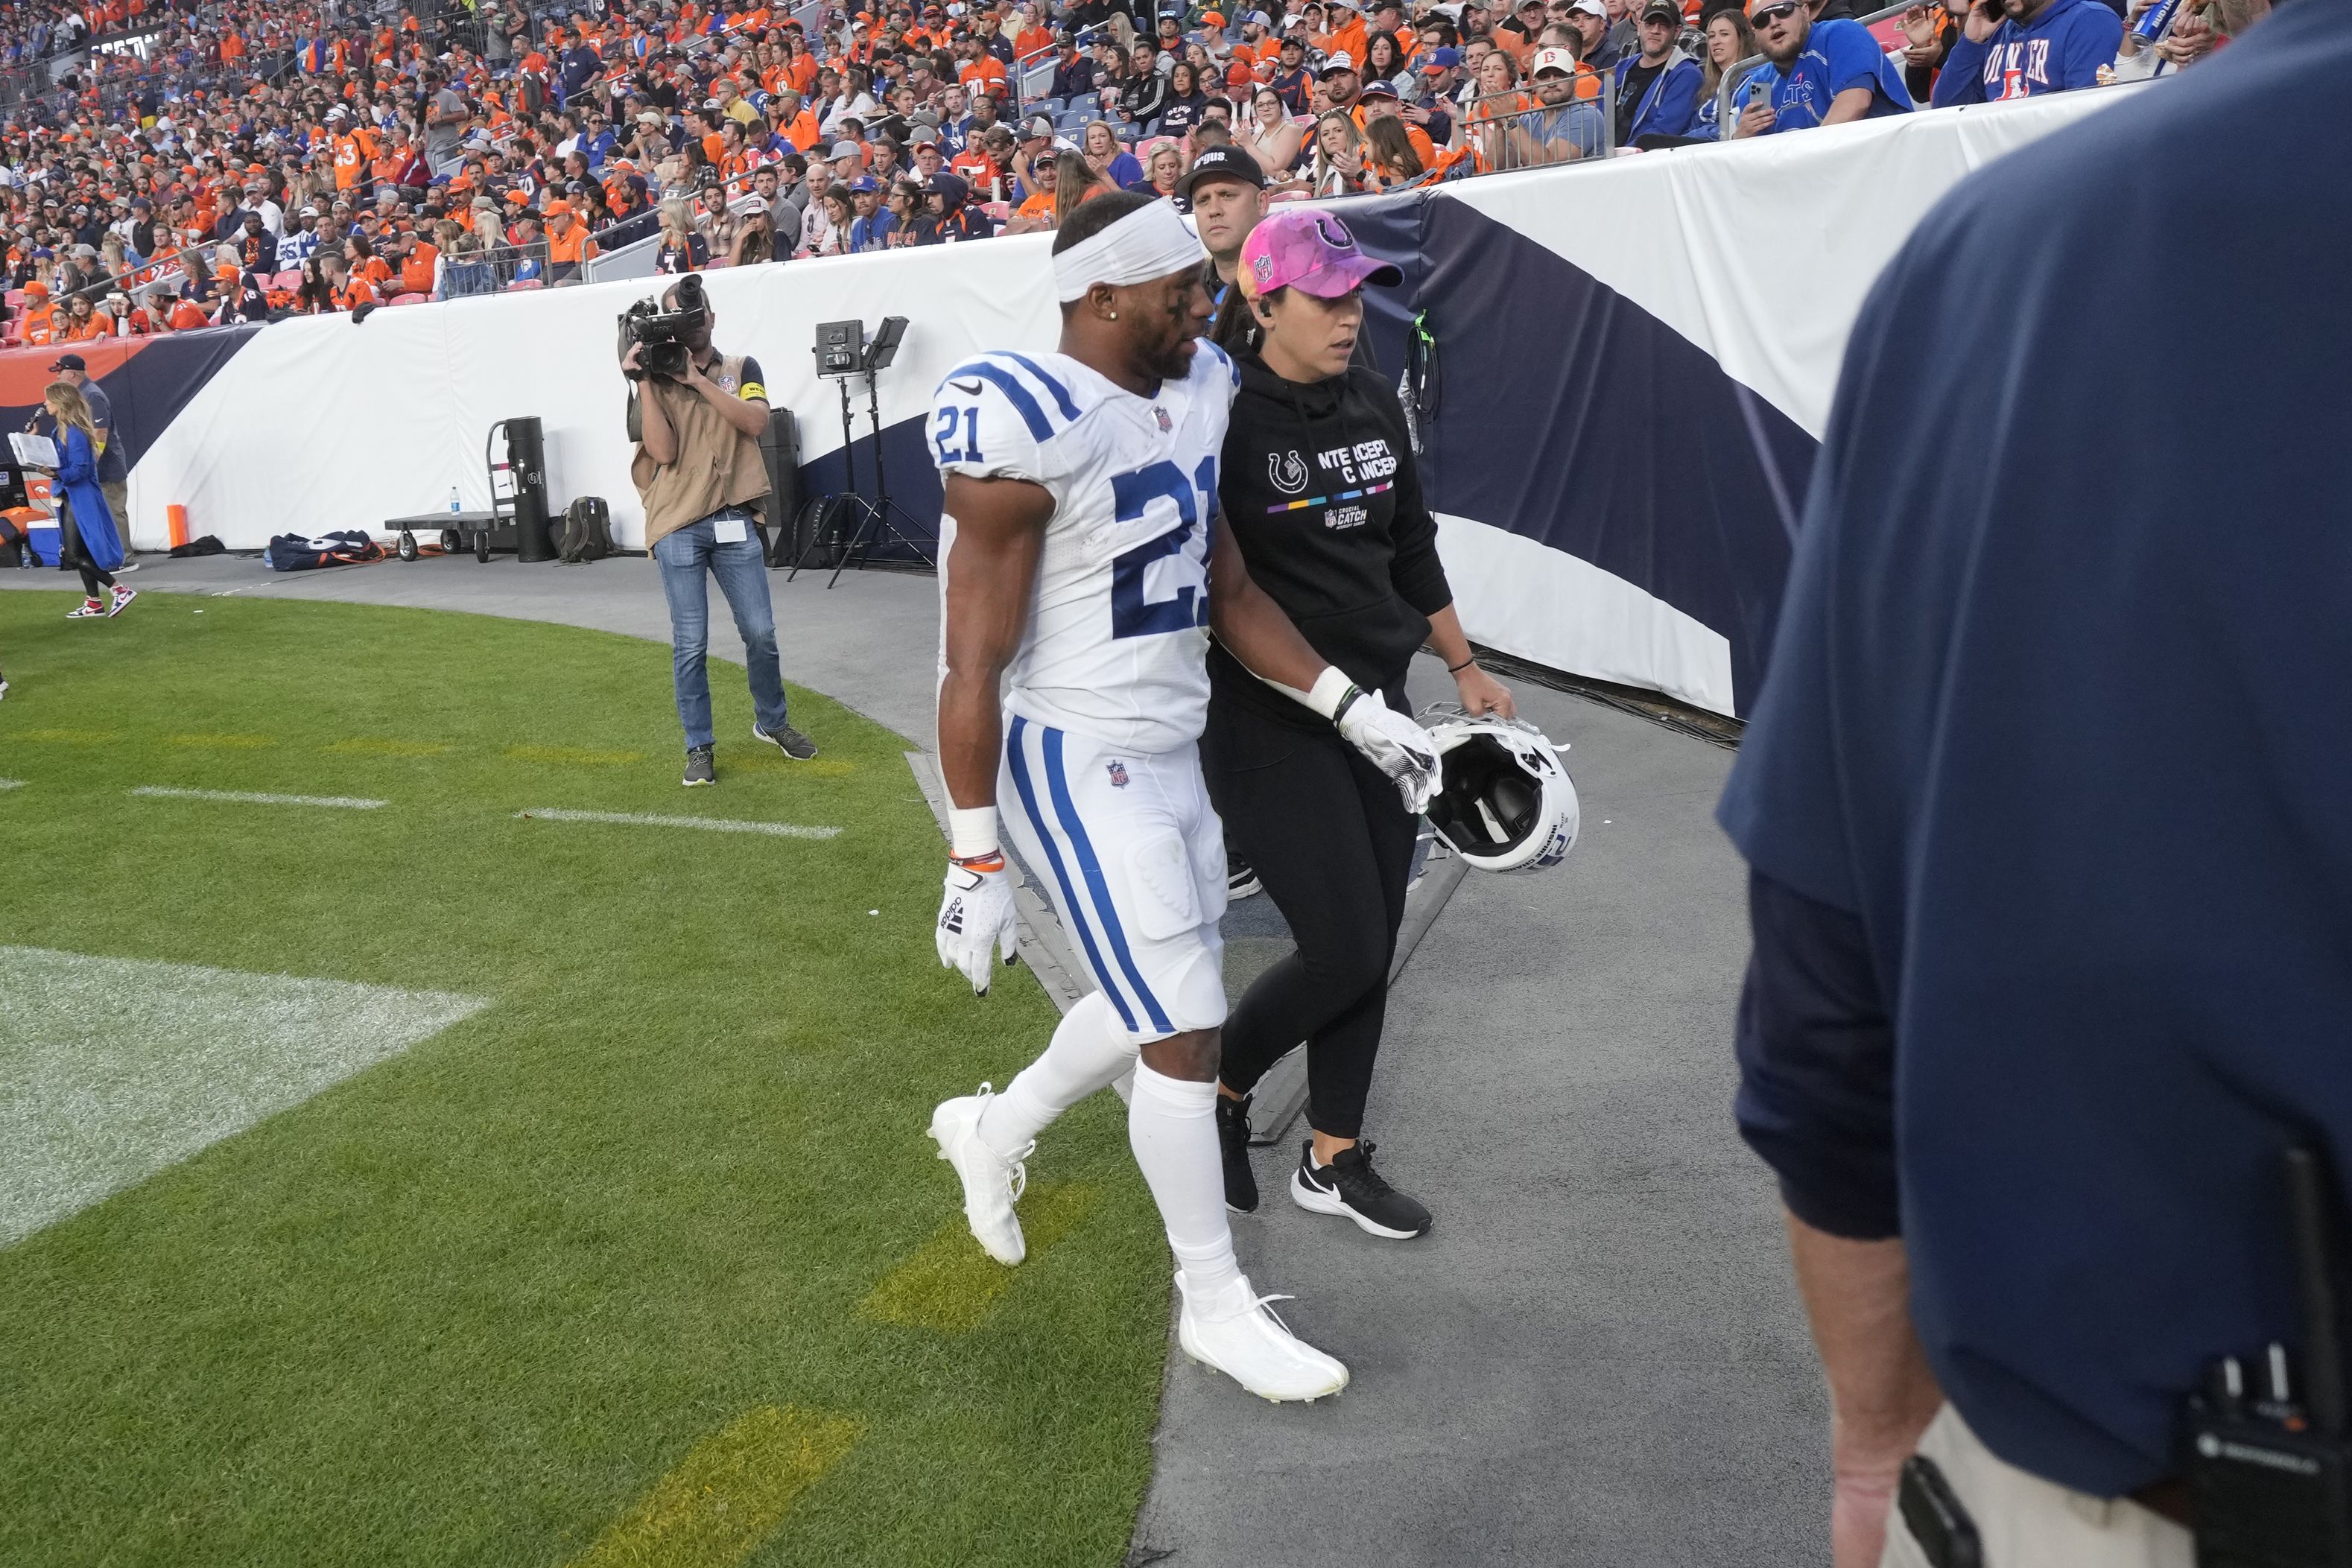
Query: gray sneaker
x=788, y=740
x=699, y=767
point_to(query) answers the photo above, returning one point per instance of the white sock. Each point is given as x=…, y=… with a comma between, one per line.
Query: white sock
x=1089, y=1050
x=1172, y=1125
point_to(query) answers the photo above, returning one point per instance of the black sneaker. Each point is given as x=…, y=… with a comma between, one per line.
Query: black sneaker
x=788, y=740
x=1233, y=1141
x=1241, y=882
x=699, y=768
x=1349, y=1186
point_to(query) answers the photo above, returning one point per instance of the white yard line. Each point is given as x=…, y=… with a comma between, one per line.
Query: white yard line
x=112, y=1069
x=11, y=783
x=715, y=824
x=249, y=797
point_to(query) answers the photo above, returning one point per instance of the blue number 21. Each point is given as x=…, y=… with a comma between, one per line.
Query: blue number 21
x=946, y=433
x=1131, y=613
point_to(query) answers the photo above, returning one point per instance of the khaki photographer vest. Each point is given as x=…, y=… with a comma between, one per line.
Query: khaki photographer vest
x=718, y=465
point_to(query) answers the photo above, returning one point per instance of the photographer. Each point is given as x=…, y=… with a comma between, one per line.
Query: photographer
x=698, y=471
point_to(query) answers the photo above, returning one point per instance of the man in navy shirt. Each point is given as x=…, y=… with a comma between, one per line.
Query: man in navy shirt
x=1074, y=74
x=581, y=64
x=2050, y=871
x=1818, y=73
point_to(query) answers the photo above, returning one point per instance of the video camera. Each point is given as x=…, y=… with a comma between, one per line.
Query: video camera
x=660, y=334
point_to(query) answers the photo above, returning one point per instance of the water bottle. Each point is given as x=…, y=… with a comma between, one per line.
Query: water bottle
x=453, y=507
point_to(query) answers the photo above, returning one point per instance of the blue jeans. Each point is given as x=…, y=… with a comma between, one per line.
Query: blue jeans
x=742, y=575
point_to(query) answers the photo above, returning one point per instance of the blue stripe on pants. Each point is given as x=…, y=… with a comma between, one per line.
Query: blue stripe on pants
x=1060, y=787
x=1017, y=751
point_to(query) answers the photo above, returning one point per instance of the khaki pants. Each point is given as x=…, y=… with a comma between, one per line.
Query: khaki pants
x=2028, y=1522
x=118, y=501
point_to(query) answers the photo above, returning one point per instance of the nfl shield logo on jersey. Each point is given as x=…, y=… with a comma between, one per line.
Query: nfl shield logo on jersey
x=1163, y=416
x=1119, y=775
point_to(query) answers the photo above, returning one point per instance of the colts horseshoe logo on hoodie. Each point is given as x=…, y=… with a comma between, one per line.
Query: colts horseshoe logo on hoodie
x=1286, y=471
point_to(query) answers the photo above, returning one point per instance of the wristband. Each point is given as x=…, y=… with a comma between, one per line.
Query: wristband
x=1457, y=669
x=971, y=832
x=1331, y=693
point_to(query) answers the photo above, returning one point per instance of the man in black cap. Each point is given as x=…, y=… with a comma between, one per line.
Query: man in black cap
x=112, y=475
x=1226, y=190
x=1293, y=83
x=1657, y=89
x=1073, y=73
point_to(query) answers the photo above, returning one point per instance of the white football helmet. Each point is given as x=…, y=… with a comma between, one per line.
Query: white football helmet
x=1506, y=803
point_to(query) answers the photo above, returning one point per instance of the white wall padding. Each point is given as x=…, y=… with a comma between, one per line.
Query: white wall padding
x=320, y=423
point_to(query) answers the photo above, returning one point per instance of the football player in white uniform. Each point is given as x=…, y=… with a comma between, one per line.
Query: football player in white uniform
x=1082, y=574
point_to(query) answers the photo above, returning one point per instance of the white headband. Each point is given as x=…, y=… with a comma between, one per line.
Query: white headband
x=1150, y=242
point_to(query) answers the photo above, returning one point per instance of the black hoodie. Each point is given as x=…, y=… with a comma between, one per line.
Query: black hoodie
x=1323, y=495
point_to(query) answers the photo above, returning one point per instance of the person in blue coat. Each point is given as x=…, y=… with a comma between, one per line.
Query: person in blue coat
x=2044, y=46
x=85, y=525
x=1657, y=87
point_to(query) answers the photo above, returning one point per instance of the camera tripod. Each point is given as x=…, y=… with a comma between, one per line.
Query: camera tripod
x=879, y=520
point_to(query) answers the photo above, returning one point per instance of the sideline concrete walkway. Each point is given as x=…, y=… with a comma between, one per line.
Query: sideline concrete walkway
x=1595, y=1358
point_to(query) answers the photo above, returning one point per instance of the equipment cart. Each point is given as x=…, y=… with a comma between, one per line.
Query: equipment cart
x=516, y=523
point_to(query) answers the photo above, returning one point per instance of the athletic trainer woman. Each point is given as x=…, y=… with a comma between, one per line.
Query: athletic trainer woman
x=1321, y=491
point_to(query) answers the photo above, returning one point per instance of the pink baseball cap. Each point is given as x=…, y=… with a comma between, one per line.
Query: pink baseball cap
x=1298, y=247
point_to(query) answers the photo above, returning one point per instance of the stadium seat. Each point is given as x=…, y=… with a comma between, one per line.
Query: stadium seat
x=522, y=282
x=288, y=280
x=1071, y=118
x=411, y=299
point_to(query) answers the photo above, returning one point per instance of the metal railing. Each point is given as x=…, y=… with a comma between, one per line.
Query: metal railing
x=143, y=276
x=635, y=259
x=1519, y=130
x=1032, y=77
x=465, y=273
x=737, y=188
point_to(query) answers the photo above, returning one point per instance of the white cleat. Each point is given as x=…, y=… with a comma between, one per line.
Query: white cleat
x=991, y=1184
x=1235, y=1331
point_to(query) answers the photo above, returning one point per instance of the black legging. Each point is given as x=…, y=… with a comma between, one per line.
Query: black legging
x=69, y=551
x=1327, y=835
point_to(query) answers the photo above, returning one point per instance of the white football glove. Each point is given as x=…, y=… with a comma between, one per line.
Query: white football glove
x=976, y=923
x=1396, y=745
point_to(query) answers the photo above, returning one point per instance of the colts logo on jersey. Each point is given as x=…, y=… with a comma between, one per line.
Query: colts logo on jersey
x=1119, y=775
x=1286, y=472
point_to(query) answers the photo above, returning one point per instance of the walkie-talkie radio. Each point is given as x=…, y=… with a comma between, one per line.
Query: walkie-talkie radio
x=2268, y=1460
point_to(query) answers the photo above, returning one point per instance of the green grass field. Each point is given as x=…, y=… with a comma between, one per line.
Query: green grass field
x=647, y=1260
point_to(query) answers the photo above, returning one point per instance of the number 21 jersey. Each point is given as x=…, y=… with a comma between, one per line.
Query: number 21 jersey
x=1117, y=642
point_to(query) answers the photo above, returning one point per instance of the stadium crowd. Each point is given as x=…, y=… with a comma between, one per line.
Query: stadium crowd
x=170, y=166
